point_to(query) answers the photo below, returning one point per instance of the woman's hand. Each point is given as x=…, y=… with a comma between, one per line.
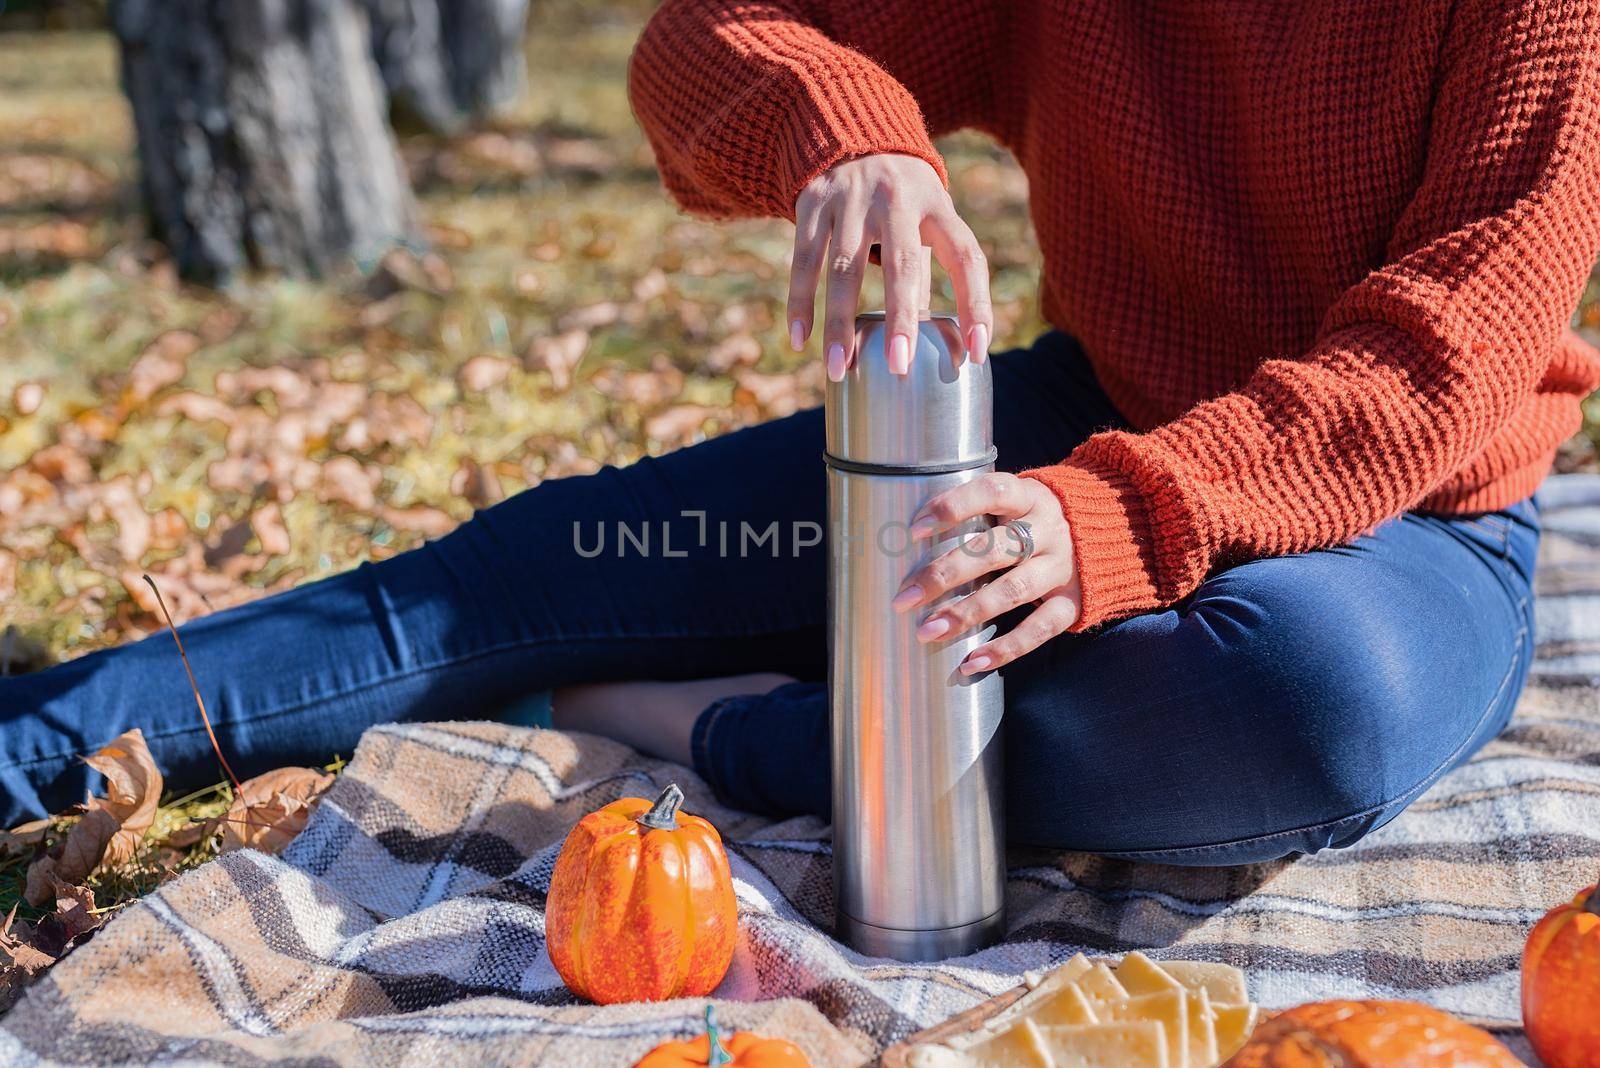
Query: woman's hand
x=898, y=203
x=1048, y=577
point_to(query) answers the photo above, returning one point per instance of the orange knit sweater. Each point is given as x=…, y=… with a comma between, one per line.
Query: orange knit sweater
x=1321, y=254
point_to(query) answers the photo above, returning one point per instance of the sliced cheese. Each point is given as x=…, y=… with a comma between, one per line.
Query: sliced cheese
x=931, y=1055
x=1234, y=1024
x=1042, y=991
x=1100, y=987
x=1069, y=1006
x=1020, y=1046
x=1138, y=974
x=1222, y=982
x=1202, y=1030
x=1169, y=1008
x=1139, y=1044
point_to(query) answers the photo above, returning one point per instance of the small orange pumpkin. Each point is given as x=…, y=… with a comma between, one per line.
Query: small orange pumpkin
x=1561, y=984
x=1370, y=1034
x=641, y=904
x=741, y=1049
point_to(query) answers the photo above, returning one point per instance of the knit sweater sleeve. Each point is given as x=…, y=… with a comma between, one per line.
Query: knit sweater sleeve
x=1415, y=367
x=745, y=102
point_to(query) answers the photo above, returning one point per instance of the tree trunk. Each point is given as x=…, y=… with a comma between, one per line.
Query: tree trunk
x=409, y=47
x=483, y=39
x=449, y=62
x=262, y=134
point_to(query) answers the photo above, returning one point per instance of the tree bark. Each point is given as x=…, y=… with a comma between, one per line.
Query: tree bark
x=447, y=63
x=408, y=44
x=262, y=134
x=483, y=39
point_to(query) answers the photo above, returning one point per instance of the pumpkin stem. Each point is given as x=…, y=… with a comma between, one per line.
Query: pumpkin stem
x=716, y=1054
x=1593, y=904
x=663, y=815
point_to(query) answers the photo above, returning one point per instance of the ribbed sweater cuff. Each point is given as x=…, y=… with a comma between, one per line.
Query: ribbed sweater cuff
x=1111, y=540
x=845, y=114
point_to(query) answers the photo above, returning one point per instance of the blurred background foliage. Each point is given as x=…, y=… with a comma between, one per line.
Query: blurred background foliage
x=237, y=442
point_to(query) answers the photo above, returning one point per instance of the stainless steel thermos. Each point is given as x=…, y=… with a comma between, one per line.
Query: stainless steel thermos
x=918, y=846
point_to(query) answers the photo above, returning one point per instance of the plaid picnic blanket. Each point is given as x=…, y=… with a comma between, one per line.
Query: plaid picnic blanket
x=406, y=924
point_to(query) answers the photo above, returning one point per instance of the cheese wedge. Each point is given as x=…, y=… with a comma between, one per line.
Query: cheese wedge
x=1234, y=1024
x=1068, y=1007
x=1169, y=1008
x=1222, y=982
x=1017, y=1047
x=1138, y=974
x=1100, y=987
x=1117, y=1045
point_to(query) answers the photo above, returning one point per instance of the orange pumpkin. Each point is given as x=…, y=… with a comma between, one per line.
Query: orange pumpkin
x=742, y=1049
x=1561, y=984
x=1370, y=1034
x=641, y=904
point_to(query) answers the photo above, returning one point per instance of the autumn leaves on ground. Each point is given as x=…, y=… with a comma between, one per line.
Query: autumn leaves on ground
x=232, y=444
x=228, y=445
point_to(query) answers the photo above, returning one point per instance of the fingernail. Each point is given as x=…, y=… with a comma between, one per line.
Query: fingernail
x=899, y=354
x=978, y=343
x=836, y=362
x=932, y=629
x=797, y=335
x=906, y=598
x=975, y=665
x=924, y=527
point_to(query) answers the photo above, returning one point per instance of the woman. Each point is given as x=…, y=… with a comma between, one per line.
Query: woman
x=1315, y=262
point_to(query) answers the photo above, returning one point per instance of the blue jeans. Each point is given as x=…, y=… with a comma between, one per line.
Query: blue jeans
x=1288, y=705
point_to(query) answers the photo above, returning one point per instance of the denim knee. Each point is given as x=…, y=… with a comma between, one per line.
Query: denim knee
x=1285, y=709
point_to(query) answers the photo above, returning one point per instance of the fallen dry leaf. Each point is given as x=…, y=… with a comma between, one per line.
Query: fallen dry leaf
x=28, y=949
x=161, y=364
x=112, y=826
x=74, y=910
x=386, y=419
x=740, y=350
x=559, y=356
x=648, y=389
x=400, y=269
x=679, y=426
x=192, y=833
x=272, y=808
x=345, y=479
x=476, y=483
x=24, y=835
x=271, y=531
x=774, y=396
x=16, y=942
x=197, y=407
x=135, y=529
x=418, y=519
x=60, y=463
x=591, y=316
x=27, y=397
x=483, y=373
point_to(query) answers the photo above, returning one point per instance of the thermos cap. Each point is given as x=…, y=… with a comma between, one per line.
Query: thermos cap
x=937, y=417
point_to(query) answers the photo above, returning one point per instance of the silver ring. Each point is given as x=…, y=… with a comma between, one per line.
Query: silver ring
x=1024, y=534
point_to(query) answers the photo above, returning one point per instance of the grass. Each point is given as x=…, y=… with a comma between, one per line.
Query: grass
x=556, y=209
